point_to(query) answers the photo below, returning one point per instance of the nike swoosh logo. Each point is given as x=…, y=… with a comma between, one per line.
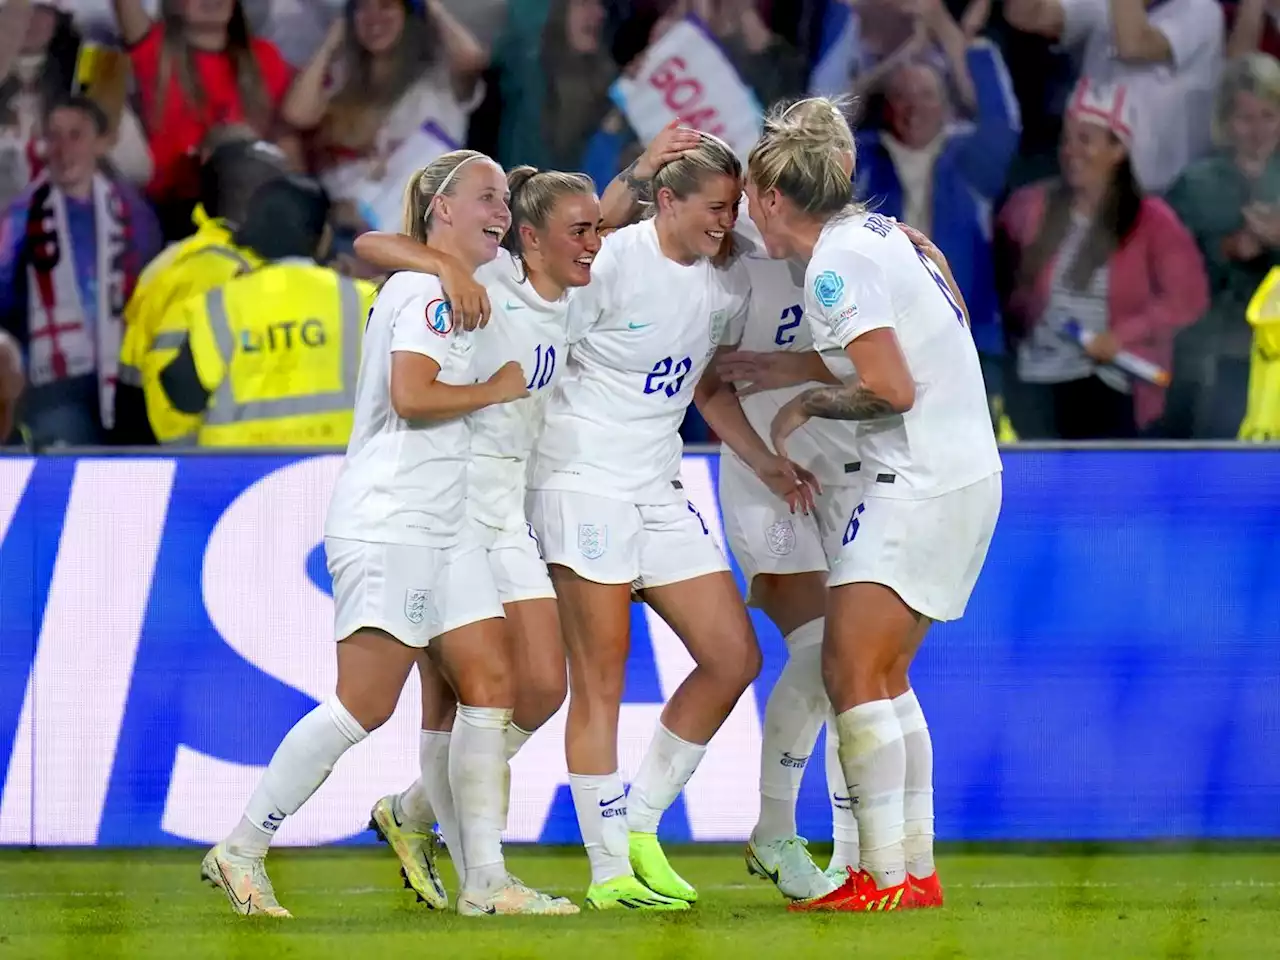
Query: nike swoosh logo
x=488, y=910
x=638, y=326
x=513, y=306
x=608, y=803
x=274, y=819
x=226, y=885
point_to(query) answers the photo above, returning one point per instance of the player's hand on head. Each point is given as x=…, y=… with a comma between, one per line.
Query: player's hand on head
x=671, y=143
x=508, y=383
x=466, y=296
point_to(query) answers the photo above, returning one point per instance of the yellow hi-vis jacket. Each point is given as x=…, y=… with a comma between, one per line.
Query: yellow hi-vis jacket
x=193, y=266
x=277, y=351
x=1262, y=411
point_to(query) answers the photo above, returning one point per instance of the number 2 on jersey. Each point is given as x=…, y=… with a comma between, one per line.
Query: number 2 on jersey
x=667, y=376
x=544, y=367
x=941, y=281
x=790, y=318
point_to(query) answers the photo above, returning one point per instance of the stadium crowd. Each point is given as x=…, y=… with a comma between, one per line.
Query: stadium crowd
x=277, y=131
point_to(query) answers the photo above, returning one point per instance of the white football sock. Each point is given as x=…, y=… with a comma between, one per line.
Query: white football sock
x=516, y=737
x=844, y=827
x=667, y=766
x=481, y=784
x=792, y=717
x=875, y=768
x=300, y=764
x=601, y=805
x=433, y=780
x=413, y=807
x=917, y=802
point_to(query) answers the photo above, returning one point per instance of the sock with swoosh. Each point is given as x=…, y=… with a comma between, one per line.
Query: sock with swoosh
x=667, y=766
x=792, y=717
x=844, y=828
x=601, y=804
x=301, y=763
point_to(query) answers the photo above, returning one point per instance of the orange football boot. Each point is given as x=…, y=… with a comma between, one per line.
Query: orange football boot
x=858, y=894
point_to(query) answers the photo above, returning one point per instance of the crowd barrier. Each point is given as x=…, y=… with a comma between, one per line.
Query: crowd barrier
x=164, y=621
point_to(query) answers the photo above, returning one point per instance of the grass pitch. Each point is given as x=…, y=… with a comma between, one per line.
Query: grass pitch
x=1023, y=903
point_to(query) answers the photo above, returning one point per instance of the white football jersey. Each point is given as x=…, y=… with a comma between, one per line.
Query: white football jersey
x=775, y=323
x=405, y=482
x=640, y=335
x=865, y=274
x=522, y=327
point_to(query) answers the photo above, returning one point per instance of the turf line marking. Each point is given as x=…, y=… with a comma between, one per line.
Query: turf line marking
x=714, y=888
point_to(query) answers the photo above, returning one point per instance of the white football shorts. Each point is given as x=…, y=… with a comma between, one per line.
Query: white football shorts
x=414, y=593
x=763, y=533
x=929, y=552
x=613, y=541
x=515, y=560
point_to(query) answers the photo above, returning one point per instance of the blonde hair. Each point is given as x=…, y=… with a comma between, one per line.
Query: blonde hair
x=1256, y=73
x=534, y=194
x=437, y=179
x=802, y=154
x=684, y=175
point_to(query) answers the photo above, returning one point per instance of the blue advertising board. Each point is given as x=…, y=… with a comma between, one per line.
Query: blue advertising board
x=164, y=621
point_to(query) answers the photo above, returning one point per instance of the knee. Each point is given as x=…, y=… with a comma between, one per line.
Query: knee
x=542, y=694
x=486, y=683
x=738, y=661
x=370, y=709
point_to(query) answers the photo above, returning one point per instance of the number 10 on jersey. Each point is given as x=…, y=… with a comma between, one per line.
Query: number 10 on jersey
x=544, y=367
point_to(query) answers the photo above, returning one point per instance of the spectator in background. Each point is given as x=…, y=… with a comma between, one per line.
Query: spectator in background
x=1166, y=53
x=271, y=358
x=386, y=68
x=12, y=380
x=1092, y=249
x=196, y=68
x=229, y=177
x=578, y=72
x=773, y=68
x=941, y=176
x=37, y=61
x=72, y=249
x=1231, y=203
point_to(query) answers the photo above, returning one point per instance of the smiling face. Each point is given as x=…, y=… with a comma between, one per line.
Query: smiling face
x=700, y=221
x=915, y=105
x=378, y=25
x=473, y=218
x=566, y=246
x=1088, y=155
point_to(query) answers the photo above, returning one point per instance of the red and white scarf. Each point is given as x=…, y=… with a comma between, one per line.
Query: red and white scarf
x=61, y=341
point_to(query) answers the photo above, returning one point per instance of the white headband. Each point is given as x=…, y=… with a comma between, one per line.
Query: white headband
x=449, y=179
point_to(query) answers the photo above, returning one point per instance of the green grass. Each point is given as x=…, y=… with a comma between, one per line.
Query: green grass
x=1024, y=903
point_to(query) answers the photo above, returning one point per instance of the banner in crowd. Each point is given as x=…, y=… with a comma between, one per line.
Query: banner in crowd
x=379, y=193
x=686, y=76
x=164, y=621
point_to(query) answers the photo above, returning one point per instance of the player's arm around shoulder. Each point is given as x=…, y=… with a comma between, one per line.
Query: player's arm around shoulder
x=424, y=341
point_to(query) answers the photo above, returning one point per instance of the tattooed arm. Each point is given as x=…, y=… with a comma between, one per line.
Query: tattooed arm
x=852, y=402
x=632, y=188
x=884, y=388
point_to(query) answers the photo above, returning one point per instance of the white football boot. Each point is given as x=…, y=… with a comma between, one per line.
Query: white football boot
x=514, y=899
x=416, y=852
x=245, y=882
x=788, y=865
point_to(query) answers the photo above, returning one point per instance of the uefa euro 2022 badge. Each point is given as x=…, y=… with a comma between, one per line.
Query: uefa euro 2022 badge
x=827, y=288
x=440, y=317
